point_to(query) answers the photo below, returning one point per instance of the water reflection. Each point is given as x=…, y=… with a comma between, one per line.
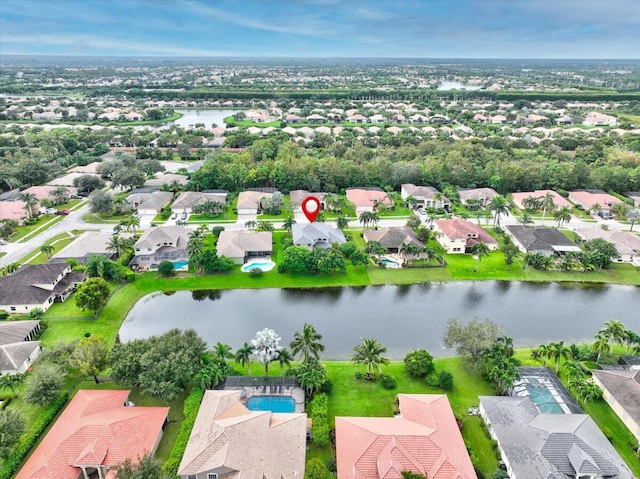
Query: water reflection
x=210, y=294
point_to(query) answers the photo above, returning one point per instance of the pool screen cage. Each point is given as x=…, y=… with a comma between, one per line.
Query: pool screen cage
x=532, y=373
x=266, y=382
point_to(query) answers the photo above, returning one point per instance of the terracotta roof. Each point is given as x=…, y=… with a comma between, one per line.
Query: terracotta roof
x=590, y=198
x=558, y=200
x=424, y=439
x=251, y=199
x=367, y=196
x=95, y=429
x=45, y=191
x=252, y=444
x=13, y=210
x=456, y=229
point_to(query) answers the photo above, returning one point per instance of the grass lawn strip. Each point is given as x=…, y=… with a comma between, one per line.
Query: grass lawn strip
x=23, y=233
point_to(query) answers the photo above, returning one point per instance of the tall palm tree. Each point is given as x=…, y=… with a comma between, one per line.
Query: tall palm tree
x=342, y=222
x=365, y=218
x=500, y=206
x=544, y=350
x=11, y=382
x=563, y=215
x=47, y=249
x=559, y=351
x=410, y=202
x=307, y=343
x=289, y=221
x=374, y=247
x=407, y=251
x=30, y=200
x=615, y=330
x=134, y=222
x=478, y=251
x=546, y=202
x=284, y=359
x=526, y=219
x=370, y=353
x=195, y=247
x=243, y=356
x=59, y=194
x=222, y=352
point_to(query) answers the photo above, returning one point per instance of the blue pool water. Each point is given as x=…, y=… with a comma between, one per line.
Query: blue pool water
x=389, y=263
x=180, y=264
x=266, y=265
x=544, y=400
x=271, y=403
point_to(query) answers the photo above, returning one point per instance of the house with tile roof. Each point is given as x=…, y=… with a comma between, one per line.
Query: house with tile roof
x=298, y=196
x=250, y=202
x=479, y=196
x=15, y=210
x=188, y=199
x=424, y=438
x=621, y=389
x=166, y=179
x=228, y=441
x=458, y=236
x=550, y=446
x=393, y=237
x=148, y=201
x=46, y=192
x=588, y=198
x=316, y=235
x=367, y=198
x=241, y=246
x=37, y=286
x=85, y=246
x=161, y=243
x=627, y=244
x=98, y=430
x=539, y=240
x=558, y=201
x=426, y=196
x=18, y=348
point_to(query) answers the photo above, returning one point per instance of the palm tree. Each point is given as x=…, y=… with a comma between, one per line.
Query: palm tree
x=615, y=330
x=544, y=351
x=478, y=251
x=120, y=245
x=243, y=356
x=289, y=222
x=47, y=249
x=222, y=352
x=265, y=226
x=596, y=207
x=285, y=358
x=374, y=247
x=563, y=215
x=407, y=251
x=526, y=219
x=307, y=343
x=557, y=352
x=546, y=201
x=370, y=353
x=500, y=206
x=59, y=193
x=11, y=382
x=428, y=252
x=251, y=224
x=410, y=202
x=365, y=218
x=30, y=200
x=133, y=222
x=342, y=222
x=195, y=247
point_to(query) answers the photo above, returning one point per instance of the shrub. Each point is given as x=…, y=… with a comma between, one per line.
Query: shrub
x=500, y=474
x=370, y=377
x=445, y=380
x=358, y=375
x=216, y=230
x=255, y=272
x=388, y=381
x=315, y=469
x=166, y=268
x=419, y=363
x=190, y=411
x=320, y=419
x=326, y=387
x=347, y=248
x=15, y=459
x=433, y=381
x=331, y=464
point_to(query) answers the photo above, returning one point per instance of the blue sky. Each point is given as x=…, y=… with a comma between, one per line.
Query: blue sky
x=323, y=28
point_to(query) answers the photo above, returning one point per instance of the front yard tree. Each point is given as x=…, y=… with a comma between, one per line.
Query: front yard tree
x=88, y=183
x=478, y=251
x=47, y=249
x=90, y=356
x=243, y=356
x=370, y=353
x=92, y=294
x=266, y=347
x=146, y=467
x=472, y=339
x=101, y=202
x=633, y=216
x=419, y=363
x=306, y=343
x=11, y=382
x=44, y=385
x=12, y=425
x=166, y=268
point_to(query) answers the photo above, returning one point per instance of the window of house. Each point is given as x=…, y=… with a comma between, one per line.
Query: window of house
x=192, y=477
x=13, y=308
x=212, y=475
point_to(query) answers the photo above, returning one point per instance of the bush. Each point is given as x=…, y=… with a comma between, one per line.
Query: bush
x=326, y=387
x=190, y=411
x=419, y=363
x=166, y=268
x=433, y=381
x=347, y=248
x=255, y=272
x=358, y=375
x=315, y=469
x=445, y=380
x=15, y=459
x=216, y=230
x=320, y=420
x=388, y=381
x=370, y=377
x=500, y=474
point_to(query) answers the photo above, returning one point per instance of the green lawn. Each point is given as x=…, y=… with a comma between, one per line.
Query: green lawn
x=95, y=218
x=227, y=217
x=23, y=233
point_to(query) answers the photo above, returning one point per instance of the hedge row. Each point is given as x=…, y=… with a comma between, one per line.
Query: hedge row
x=320, y=420
x=14, y=461
x=190, y=411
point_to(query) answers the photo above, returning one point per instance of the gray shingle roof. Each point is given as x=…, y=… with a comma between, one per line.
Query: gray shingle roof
x=624, y=386
x=18, y=287
x=13, y=355
x=550, y=445
x=541, y=240
x=393, y=237
x=311, y=233
x=16, y=331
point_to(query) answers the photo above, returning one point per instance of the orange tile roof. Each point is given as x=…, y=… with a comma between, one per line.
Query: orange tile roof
x=424, y=439
x=95, y=429
x=461, y=229
x=366, y=197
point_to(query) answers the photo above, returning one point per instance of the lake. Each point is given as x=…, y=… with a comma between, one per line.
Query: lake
x=403, y=318
x=456, y=85
x=191, y=117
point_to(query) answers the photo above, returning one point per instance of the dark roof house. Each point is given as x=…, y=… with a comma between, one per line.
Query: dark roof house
x=621, y=389
x=393, y=237
x=17, y=348
x=545, y=241
x=316, y=235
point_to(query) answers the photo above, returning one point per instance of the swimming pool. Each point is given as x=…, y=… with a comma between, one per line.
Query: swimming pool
x=264, y=265
x=389, y=263
x=182, y=264
x=271, y=403
x=544, y=399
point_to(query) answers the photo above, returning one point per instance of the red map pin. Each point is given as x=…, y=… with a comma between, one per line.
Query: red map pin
x=311, y=208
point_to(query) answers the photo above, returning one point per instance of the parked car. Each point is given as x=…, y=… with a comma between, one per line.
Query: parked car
x=62, y=212
x=74, y=197
x=605, y=215
x=2, y=242
x=174, y=216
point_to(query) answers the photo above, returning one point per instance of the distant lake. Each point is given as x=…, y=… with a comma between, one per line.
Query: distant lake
x=191, y=117
x=454, y=85
x=402, y=317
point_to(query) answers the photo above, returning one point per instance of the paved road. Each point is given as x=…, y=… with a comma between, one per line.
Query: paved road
x=16, y=251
